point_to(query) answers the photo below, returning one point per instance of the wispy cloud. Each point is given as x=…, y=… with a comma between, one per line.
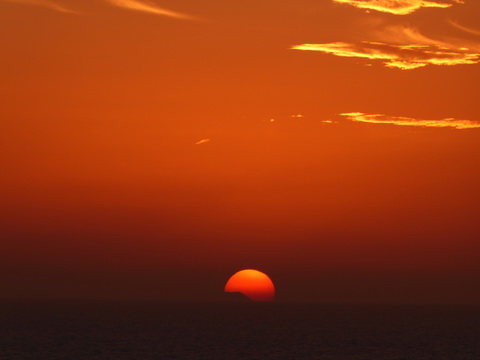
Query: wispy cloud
x=135, y=5
x=203, y=141
x=147, y=7
x=404, y=35
x=464, y=28
x=399, y=7
x=44, y=3
x=406, y=121
x=405, y=57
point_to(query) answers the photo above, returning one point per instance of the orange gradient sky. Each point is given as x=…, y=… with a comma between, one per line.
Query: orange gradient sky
x=151, y=149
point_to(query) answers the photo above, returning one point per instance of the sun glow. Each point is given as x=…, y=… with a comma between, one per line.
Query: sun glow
x=252, y=283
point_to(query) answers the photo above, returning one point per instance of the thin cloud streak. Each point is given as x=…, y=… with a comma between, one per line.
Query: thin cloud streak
x=48, y=4
x=405, y=35
x=404, y=57
x=203, y=141
x=134, y=5
x=148, y=8
x=398, y=7
x=406, y=121
x=464, y=28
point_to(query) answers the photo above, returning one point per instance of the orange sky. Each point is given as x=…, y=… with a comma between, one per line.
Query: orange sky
x=152, y=149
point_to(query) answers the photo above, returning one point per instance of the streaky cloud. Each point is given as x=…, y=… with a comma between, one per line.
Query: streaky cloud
x=464, y=28
x=203, y=141
x=402, y=34
x=150, y=8
x=43, y=3
x=135, y=5
x=399, y=7
x=406, y=121
x=404, y=57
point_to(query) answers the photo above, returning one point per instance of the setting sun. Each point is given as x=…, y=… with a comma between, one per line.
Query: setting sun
x=253, y=284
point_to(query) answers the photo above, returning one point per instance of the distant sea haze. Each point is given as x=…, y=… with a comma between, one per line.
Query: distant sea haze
x=102, y=330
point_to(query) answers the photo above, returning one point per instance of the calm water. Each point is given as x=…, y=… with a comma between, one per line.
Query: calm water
x=237, y=331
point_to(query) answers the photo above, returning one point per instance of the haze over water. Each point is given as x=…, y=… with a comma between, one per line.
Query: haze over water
x=117, y=331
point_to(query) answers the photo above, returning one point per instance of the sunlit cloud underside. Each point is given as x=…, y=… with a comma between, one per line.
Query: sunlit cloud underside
x=405, y=57
x=406, y=121
x=398, y=7
x=135, y=5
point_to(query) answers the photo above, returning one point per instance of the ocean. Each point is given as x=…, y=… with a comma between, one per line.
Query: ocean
x=147, y=331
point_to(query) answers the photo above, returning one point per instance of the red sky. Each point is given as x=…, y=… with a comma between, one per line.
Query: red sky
x=342, y=155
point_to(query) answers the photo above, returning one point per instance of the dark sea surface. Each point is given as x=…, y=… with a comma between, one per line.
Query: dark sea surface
x=89, y=330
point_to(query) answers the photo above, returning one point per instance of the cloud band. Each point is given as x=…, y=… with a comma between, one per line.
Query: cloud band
x=406, y=121
x=398, y=7
x=405, y=57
